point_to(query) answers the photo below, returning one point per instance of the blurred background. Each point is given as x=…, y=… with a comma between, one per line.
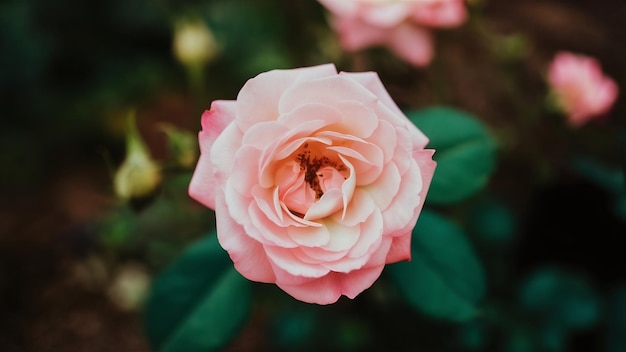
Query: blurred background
x=76, y=256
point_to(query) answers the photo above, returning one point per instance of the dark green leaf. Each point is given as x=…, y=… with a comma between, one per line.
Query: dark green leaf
x=199, y=303
x=465, y=152
x=443, y=278
x=562, y=299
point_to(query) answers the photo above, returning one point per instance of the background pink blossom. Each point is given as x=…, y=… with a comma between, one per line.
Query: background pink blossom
x=581, y=88
x=401, y=26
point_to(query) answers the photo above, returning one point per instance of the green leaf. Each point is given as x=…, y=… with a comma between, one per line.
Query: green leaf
x=465, y=152
x=199, y=303
x=564, y=300
x=444, y=278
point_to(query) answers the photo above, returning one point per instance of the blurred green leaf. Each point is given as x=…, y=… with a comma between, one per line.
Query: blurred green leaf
x=465, y=152
x=444, y=278
x=199, y=303
x=294, y=328
x=562, y=299
x=493, y=222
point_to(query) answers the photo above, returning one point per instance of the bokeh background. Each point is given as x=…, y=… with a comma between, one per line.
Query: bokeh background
x=75, y=259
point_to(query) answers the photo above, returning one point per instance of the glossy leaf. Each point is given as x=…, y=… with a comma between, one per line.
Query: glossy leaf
x=465, y=152
x=444, y=278
x=199, y=303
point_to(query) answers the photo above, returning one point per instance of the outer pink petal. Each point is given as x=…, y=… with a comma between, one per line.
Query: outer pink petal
x=385, y=15
x=372, y=82
x=214, y=121
x=401, y=245
x=328, y=289
x=258, y=99
x=413, y=44
x=440, y=14
x=247, y=254
x=328, y=91
x=355, y=34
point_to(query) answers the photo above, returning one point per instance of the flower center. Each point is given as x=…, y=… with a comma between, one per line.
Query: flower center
x=310, y=173
x=311, y=166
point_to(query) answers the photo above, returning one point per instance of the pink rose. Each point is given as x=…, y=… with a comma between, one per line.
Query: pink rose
x=580, y=87
x=316, y=178
x=399, y=25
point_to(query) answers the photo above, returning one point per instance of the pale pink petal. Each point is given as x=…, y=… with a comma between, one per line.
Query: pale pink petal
x=323, y=255
x=412, y=43
x=385, y=138
x=326, y=91
x=244, y=175
x=214, y=121
x=371, y=81
x=202, y=186
x=303, y=112
x=400, y=247
x=264, y=134
x=247, y=254
x=328, y=289
x=286, y=260
x=385, y=188
x=223, y=152
x=342, y=237
x=371, y=233
x=385, y=15
x=355, y=34
x=400, y=212
x=268, y=87
x=329, y=203
x=440, y=14
x=309, y=236
x=358, y=210
x=265, y=231
x=357, y=119
x=404, y=150
x=325, y=290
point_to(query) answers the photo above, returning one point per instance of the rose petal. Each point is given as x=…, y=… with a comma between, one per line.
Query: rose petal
x=330, y=202
x=268, y=87
x=385, y=188
x=412, y=43
x=326, y=91
x=358, y=210
x=284, y=258
x=264, y=134
x=342, y=237
x=247, y=254
x=214, y=121
x=309, y=236
x=401, y=210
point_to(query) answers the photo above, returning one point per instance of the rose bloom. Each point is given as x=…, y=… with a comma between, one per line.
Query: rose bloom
x=580, y=87
x=316, y=178
x=402, y=26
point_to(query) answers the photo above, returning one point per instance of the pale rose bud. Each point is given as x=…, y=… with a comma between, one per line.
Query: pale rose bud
x=316, y=177
x=183, y=145
x=139, y=175
x=129, y=287
x=400, y=25
x=194, y=43
x=580, y=88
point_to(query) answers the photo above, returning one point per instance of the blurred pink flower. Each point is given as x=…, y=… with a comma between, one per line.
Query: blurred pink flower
x=580, y=87
x=317, y=180
x=400, y=25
